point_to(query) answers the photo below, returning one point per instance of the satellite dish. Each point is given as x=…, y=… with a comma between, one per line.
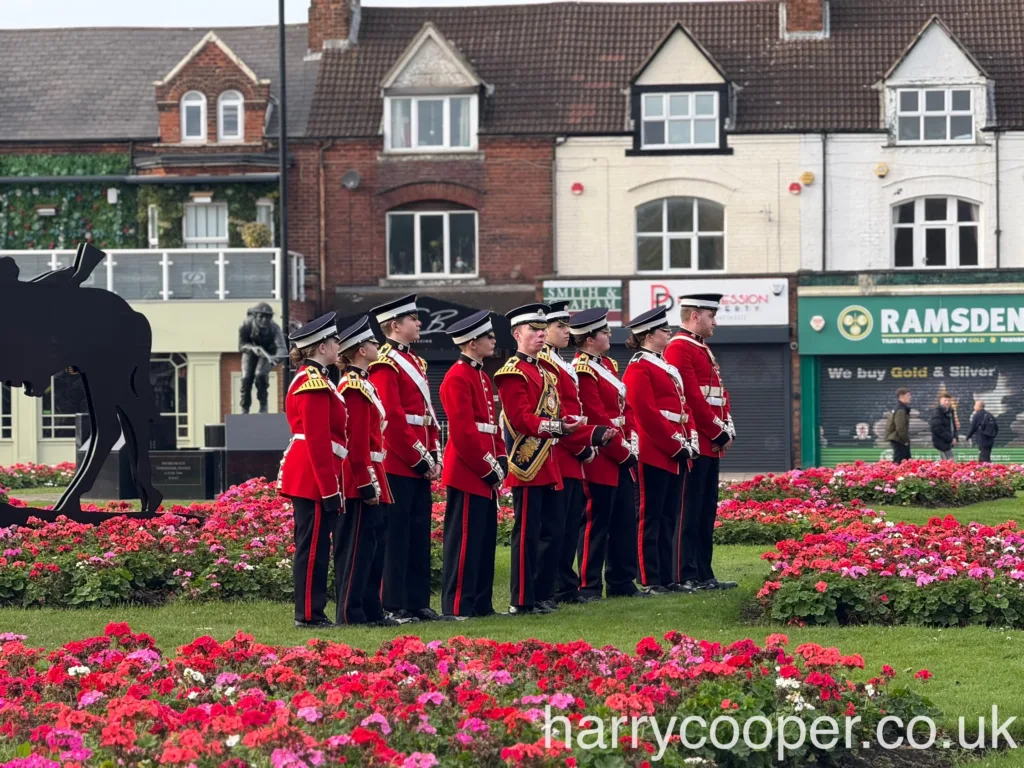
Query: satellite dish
x=350, y=180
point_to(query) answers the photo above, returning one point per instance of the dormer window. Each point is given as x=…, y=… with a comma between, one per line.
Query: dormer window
x=430, y=123
x=193, y=117
x=683, y=120
x=934, y=116
x=230, y=116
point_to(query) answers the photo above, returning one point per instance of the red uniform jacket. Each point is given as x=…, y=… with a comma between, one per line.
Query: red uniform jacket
x=705, y=394
x=312, y=464
x=474, y=438
x=604, y=404
x=364, y=467
x=530, y=408
x=572, y=450
x=655, y=393
x=412, y=437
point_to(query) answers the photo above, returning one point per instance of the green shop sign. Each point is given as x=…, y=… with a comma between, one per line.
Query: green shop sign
x=901, y=325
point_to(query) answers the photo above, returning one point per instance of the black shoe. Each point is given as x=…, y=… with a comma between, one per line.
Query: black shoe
x=657, y=589
x=716, y=584
x=387, y=621
x=427, y=614
x=573, y=598
x=551, y=605
x=589, y=598
x=322, y=624
x=452, y=617
x=687, y=587
x=635, y=593
x=403, y=617
x=536, y=609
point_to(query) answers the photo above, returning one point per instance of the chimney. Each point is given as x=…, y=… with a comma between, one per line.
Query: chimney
x=804, y=19
x=333, y=24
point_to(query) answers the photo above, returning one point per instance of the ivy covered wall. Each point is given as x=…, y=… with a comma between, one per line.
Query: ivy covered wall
x=82, y=209
x=84, y=213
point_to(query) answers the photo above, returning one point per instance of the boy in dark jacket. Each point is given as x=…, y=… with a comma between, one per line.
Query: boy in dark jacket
x=984, y=425
x=943, y=426
x=898, y=432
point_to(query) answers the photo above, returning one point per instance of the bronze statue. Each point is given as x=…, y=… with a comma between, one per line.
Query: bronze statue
x=262, y=344
x=51, y=324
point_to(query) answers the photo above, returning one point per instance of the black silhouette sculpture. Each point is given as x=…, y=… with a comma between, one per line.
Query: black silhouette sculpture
x=51, y=324
x=262, y=344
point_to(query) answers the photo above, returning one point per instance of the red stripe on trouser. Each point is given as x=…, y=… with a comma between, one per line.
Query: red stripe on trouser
x=352, y=568
x=311, y=563
x=640, y=536
x=679, y=533
x=522, y=547
x=586, y=534
x=462, y=551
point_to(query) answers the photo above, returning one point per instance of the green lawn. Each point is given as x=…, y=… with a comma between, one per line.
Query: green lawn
x=973, y=668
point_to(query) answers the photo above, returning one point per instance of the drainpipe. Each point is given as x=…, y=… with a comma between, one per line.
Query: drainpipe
x=824, y=201
x=999, y=229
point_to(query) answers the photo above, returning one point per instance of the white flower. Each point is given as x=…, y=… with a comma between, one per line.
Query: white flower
x=229, y=690
x=786, y=682
x=869, y=689
x=192, y=695
x=191, y=674
x=232, y=740
x=75, y=671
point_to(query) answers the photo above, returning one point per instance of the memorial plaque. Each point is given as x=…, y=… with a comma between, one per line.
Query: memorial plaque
x=180, y=474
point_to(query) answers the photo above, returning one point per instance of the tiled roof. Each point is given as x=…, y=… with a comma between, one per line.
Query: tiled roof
x=58, y=84
x=565, y=67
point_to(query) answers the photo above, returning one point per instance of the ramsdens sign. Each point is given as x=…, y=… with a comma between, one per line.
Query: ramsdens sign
x=911, y=324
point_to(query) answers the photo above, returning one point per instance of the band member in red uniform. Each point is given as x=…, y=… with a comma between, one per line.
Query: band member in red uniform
x=556, y=580
x=474, y=469
x=413, y=461
x=311, y=468
x=607, y=537
x=709, y=401
x=654, y=391
x=359, y=531
x=531, y=422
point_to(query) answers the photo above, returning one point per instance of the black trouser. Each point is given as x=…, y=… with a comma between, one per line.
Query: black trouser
x=660, y=499
x=592, y=542
x=567, y=582
x=407, y=550
x=985, y=453
x=620, y=567
x=694, y=546
x=357, y=587
x=900, y=452
x=313, y=528
x=551, y=540
x=470, y=539
x=531, y=505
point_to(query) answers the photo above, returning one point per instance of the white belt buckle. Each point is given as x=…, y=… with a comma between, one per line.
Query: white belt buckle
x=377, y=456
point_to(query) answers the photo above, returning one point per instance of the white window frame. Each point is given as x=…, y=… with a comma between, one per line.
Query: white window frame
x=268, y=205
x=445, y=146
x=950, y=225
x=666, y=237
x=183, y=105
x=51, y=422
x=153, y=226
x=6, y=412
x=417, y=259
x=231, y=98
x=691, y=117
x=181, y=420
x=205, y=242
x=947, y=112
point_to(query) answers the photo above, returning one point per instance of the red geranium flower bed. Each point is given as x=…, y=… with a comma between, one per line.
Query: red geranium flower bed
x=766, y=522
x=918, y=483
x=943, y=573
x=120, y=700
x=37, y=475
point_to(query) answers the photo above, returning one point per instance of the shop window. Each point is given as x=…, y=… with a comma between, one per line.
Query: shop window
x=435, y=243
x=169, y=374
x=680, y=234
x=935, y=233
x=6, y=413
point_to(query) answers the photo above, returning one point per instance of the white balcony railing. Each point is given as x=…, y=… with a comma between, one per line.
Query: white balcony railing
x=197, y=274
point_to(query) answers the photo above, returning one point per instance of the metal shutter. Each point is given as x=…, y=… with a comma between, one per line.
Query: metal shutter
x=858, y=393
x=757, y=378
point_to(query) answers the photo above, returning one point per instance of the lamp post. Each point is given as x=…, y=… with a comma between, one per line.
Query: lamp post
x=282, y=138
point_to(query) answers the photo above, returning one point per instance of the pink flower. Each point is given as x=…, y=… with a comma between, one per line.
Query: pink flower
x=434, y=697
x=821, y=586
x=309, y=714
x=379, y=719
x=420, y=760
x=562, y=700
x=88, y=698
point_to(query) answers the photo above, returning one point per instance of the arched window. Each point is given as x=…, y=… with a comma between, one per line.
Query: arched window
x=680, y=234
x=934, y=232
x=230, y=116
x=193, y=116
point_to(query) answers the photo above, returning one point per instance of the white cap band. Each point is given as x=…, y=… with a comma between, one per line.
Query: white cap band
x=405, y=309
x=475, y=333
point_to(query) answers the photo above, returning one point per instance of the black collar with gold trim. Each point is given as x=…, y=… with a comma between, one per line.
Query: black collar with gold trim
x=360, y=372
x=691, y=334
x=399, y=346
x=471, y=362
x=651, y=352
x=526, y=358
